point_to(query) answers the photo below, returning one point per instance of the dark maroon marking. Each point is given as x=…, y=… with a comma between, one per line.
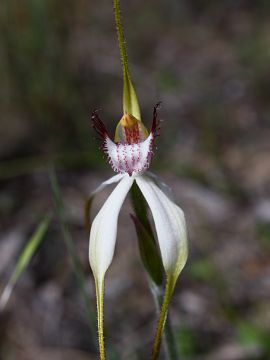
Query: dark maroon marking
x=99, y=126
x=155, y=130
x=102, y=134
x=132, y=134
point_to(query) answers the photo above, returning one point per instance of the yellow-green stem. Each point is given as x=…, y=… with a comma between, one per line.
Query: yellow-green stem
x=100, y=318
x=120, y=34
x=162, y=317
x=130, y=101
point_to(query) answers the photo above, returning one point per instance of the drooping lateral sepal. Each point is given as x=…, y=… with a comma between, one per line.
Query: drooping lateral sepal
x=104, y=230
x=170, y=225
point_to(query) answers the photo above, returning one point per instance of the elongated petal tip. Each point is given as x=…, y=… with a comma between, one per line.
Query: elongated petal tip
x=170, y=226
x=88, y=204
x=104, y=230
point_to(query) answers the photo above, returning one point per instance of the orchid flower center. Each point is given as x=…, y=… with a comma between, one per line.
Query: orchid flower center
x=132, y=149
x=130, y=130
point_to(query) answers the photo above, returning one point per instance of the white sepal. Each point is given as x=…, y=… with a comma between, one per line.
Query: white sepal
x=104, y=230
x=170, y=226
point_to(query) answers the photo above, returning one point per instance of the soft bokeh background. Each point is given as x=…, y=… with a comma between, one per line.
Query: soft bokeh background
x=208, y=61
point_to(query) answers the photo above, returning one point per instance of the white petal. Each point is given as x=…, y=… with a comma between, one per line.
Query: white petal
x=104, y=229
x=170, y=226
x=164, y=187
x=110, y=181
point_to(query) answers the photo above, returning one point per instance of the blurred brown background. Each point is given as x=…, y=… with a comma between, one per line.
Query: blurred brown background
x=208, y=62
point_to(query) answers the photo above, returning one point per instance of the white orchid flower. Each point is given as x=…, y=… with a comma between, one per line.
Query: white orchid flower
x=130, y=156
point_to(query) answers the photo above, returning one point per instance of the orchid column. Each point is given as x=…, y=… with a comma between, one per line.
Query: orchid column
x=130, y=154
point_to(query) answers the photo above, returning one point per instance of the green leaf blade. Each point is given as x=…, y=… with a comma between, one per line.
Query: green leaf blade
x=149, y=253
x=24, y=259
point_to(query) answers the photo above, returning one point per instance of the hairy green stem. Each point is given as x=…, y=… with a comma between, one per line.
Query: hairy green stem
x=169, y=340
x=170, y=344
x=162, y=320
x=130, y=101
x=100, y=318
x=121, y=39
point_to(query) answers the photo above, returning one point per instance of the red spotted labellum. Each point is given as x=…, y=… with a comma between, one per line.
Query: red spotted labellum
x=132, y=149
